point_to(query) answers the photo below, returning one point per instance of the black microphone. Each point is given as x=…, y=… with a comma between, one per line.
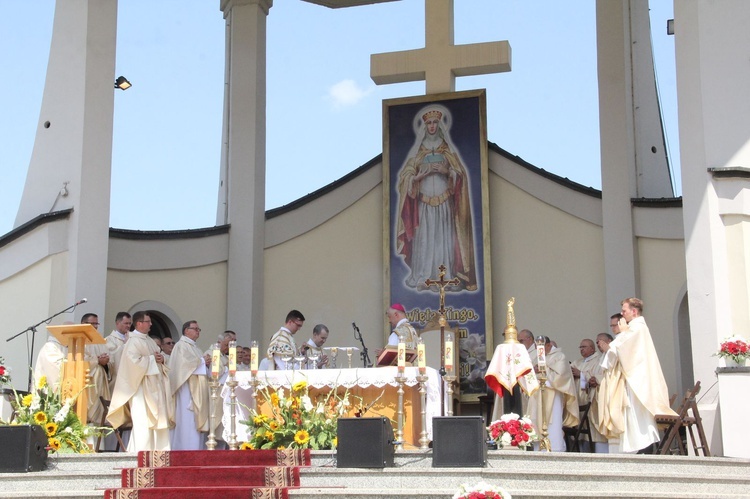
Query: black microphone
x=82, y=300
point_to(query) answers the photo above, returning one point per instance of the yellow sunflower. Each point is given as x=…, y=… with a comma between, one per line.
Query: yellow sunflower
x=281, y=447
x=51, y=428
x=259, y=419
x=335, y=442
x=269, y=436
x=26, y=400
x=274, y=400
x=301, y=437
x=299, y=386
x=40, y=418
x=42, y=382
x=54, y=443
x=274, y=425
x=246, y=446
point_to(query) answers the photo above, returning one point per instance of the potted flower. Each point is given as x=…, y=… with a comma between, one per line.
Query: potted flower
x=4, y=373
x=482, y=490
x=734, y=350
x=48, y=408
x=294, y=419
x=512, y=431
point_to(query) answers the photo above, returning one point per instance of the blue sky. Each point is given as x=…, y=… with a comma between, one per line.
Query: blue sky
x=324, y=112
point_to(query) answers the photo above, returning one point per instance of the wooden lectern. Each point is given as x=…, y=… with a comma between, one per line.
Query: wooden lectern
x=76, y=373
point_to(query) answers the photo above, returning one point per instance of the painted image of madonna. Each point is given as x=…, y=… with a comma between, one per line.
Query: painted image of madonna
x=434, y=220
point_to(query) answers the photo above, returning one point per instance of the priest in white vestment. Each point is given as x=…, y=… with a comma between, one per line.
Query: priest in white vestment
x=633, y=390
x=560, y=398
x=143, y=385
x=49, y=362
x=282, y=343
x=189, y=385
x=526, y=338
x=585, y=369
x=314, y=347
x=101, y=370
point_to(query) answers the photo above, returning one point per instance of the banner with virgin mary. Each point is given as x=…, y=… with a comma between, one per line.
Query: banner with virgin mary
x=435, y=188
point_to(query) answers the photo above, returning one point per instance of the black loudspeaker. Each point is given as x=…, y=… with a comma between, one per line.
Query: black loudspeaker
x=459, y=442
x=22, y=449
x=364, y=443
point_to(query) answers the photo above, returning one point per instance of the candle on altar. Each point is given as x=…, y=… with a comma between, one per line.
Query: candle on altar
x=448, y=353
x=401, y=354
x=232, y=358
x=254, y=358
x=215, y=361
x=421, y=361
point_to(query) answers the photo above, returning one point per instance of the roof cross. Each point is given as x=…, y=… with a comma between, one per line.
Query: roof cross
x=440, y=61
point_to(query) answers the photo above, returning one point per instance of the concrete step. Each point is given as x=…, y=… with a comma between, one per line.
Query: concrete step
x=527, y=475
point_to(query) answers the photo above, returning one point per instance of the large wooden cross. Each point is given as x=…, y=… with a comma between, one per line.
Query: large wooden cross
x=440, y=61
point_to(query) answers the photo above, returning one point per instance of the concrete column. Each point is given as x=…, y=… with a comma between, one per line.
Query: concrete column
x=72, y=156
x=617, y=147
x=633, y=150
x=244, y=162
x=711, y=43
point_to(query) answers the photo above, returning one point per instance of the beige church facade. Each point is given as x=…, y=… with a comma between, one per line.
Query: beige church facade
x=323, y=256
x=567, y=253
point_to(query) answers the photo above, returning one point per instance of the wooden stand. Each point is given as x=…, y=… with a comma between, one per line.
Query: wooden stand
x=76, y=372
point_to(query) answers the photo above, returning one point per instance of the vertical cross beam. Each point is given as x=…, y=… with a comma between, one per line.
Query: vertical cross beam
x=440, y=61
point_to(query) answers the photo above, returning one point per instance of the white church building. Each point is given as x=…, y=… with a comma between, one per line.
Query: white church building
x=567, y=253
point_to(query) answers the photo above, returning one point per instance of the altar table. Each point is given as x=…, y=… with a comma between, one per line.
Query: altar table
x=368, y=384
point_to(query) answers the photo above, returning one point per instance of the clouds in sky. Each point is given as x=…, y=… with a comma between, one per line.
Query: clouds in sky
x=347, y=93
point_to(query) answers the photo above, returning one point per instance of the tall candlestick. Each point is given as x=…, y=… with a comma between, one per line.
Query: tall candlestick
x=421, y=361
x=254, y=358
x=215, y=361
x=232, y=357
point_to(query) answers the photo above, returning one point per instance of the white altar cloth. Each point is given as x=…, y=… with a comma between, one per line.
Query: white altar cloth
x=379, y=377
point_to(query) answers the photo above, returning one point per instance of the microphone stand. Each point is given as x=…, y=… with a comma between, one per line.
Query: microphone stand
x=365, y=356
x=33, y=335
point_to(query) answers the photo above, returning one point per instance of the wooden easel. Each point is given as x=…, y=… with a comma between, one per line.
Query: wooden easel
x=76, y=372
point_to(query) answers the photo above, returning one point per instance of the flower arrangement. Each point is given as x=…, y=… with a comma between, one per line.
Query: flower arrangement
x=45, y=407
x=296, y=420
x=735, y=348
x=4, y=373
x=482, y=490
x=512, y=430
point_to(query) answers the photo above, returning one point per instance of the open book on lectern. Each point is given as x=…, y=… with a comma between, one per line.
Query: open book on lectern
x=389, y=356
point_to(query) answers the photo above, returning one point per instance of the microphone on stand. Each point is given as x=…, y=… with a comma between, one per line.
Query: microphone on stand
x=364, y=354
x=82, y=300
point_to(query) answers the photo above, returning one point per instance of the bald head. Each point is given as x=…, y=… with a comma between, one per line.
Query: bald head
x=526, y=337
x=587, y=348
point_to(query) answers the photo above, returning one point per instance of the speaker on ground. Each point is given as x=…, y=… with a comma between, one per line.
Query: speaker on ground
x=22, y=448
x=364, y=443
x=458, y=442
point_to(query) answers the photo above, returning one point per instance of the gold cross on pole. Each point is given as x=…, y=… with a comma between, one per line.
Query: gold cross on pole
x=441, y=284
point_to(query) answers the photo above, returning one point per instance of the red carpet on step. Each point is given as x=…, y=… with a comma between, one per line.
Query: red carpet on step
x=191, y=493
x=286, y=457
x=247, y=474
x=202, y=476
